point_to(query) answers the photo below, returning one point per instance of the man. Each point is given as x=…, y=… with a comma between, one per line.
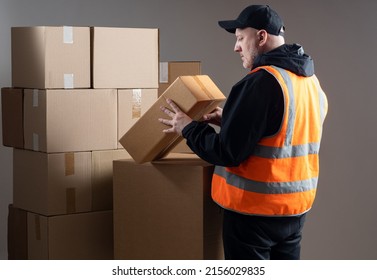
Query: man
x=266, y=153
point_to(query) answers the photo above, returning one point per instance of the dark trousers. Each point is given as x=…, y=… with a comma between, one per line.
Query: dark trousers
x=248, y=237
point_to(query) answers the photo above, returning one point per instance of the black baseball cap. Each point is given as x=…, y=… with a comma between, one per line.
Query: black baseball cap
x=258, y=17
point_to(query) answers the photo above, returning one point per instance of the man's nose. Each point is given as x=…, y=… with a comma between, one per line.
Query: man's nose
x=237, y=48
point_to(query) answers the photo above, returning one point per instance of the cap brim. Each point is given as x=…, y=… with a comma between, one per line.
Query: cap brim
x=230, y=25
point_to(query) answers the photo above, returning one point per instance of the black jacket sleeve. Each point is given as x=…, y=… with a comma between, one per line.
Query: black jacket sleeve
x=254, y=109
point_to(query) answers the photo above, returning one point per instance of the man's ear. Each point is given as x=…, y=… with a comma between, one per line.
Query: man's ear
x=262, y=37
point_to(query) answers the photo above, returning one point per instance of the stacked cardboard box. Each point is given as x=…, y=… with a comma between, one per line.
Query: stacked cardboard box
x=61, y=117
x=72, y=236
x=76, y=92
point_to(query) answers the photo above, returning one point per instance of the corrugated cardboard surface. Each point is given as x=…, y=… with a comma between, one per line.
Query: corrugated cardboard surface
x=132, y=104
x=52, y=184
x=70, y=120
x=50, y=57
x=125, y=57
x=164, y=210
x=17, y=234
x=195, y=95
x=171, y=70
x=84, y=236
x=62, y=183
x=12, y=117
x=102, y=177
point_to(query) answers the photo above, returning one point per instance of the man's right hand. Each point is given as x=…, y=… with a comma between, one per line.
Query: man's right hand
x=214, y=117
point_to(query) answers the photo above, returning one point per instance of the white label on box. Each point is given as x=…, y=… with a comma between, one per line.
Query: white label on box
x=67, y=34
x=164, y=72
x=136, y=103
x=35, y=98
x=68, y=80
x=35, y=142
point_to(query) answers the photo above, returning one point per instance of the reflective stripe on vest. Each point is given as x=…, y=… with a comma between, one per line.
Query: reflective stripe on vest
x=280, y=177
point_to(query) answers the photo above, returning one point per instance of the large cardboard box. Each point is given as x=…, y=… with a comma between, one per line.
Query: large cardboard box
x=70, y=120
x=171, y=70
x=64, y=183
x=125, y=57
x=195, y=95
x=132, y=104
x=84, y=236
x=164, y=210
x=12, y=117
x=50, y=57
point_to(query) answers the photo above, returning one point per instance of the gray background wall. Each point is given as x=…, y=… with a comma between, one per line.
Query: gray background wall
x=339, y=35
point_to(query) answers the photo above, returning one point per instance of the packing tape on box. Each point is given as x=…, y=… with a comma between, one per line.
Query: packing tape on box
x=69, y=160
x=71, y=200
x=164, y=72
x=37, y=224
x=35, y=141
x=35, y=98
x=68, y=81
x=136, y=103
x=67, y=34
x=202, y=86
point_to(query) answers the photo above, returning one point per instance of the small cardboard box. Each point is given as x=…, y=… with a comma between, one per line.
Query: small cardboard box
x=132, y=104
x=84, y=236
x=125, y=57
x=50, y=57
x=195, y=95
x=70, y=120
x=64, y=183
x=171, y=70
x=164, y=211
x=12, y=117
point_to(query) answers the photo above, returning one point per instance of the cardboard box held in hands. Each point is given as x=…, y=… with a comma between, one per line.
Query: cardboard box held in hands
x=195, y=95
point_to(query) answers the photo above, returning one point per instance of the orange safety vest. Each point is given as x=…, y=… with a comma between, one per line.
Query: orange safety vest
x=280, y=177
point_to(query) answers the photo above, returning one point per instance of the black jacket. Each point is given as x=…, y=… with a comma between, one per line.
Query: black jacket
x=253, y=109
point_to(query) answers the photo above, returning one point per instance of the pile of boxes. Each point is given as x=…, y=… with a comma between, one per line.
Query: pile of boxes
x=76, y=91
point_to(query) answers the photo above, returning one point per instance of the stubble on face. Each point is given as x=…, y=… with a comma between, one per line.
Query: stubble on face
x=247, y=46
